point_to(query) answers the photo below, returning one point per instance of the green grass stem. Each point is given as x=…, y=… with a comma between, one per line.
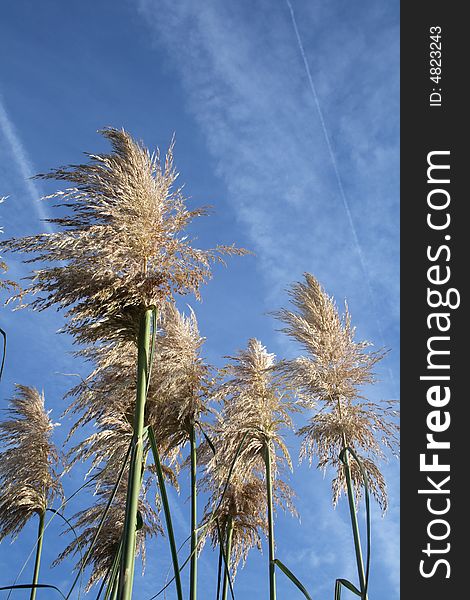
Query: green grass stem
x=269, y=489
x=37, y=562
x=126, y=575
x=193, y=566
x=228, y=552
x=167, y=512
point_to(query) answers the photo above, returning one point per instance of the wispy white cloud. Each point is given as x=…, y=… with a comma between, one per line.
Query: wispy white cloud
x=22, y=162
x=246, y=87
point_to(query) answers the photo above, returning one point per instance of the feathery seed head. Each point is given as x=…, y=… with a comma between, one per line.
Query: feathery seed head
x=370, y=430
x=255, y=400
x=179, y=385
x=256, y=408
x=121, y=247
x=332, y=373
x=243, y=506
x=28, y=478
x=107, y=399
x=335, y=366
x=181, y=381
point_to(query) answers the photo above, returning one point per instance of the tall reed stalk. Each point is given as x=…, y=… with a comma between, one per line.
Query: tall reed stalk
x=330, y=379
x=228, y=554
x=193, y=565
x=352, y=508
x=37, y=560
x=256, y=406
x=271, y=545
x=354, y=523
x=183, y=383
x=167, y=511
x=126, y=574
x=120, y=247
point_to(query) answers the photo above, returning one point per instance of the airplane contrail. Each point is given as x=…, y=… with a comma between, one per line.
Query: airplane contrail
x=339, y=181
x=23, y=163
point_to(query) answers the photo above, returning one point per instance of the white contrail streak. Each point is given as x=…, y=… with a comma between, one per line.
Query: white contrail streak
x=327, y=139
x=338, y=177
x=23, y=163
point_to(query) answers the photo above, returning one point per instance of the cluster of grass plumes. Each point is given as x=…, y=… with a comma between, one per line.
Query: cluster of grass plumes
x=121, y=248
x=110, y=387
x=330, y=379
x=177, y=391
x=117, y=259
x=106, y=398
x=108, y=539
x=29, y=480
x=248, y=433
x=177, y=397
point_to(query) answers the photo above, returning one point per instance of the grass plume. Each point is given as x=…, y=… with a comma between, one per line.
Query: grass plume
x=331, y=377
x=120, y=247
x=29, y=481
x=256, y=408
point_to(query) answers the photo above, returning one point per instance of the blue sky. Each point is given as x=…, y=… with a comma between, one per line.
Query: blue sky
x=286, y=120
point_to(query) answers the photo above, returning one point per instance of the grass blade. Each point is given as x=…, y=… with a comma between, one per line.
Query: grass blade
x=166, y=509
x=28, y=586
x=72, y=529
x=219, y=573
x=292, y=577
x=4, y=353
x=225, y=557
x=100, y=525
x=113, y=580
x=347, y=584
x=207, y=438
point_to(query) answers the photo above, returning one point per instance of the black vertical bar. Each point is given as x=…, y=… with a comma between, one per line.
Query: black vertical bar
x=434, y=231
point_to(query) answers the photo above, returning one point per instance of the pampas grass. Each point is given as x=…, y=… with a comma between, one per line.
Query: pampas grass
x=119, y=253
x=256, y=409
x=182, y=385
x=330, y=379
x=235, y=515
x=121, y=246
x=29, y=481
